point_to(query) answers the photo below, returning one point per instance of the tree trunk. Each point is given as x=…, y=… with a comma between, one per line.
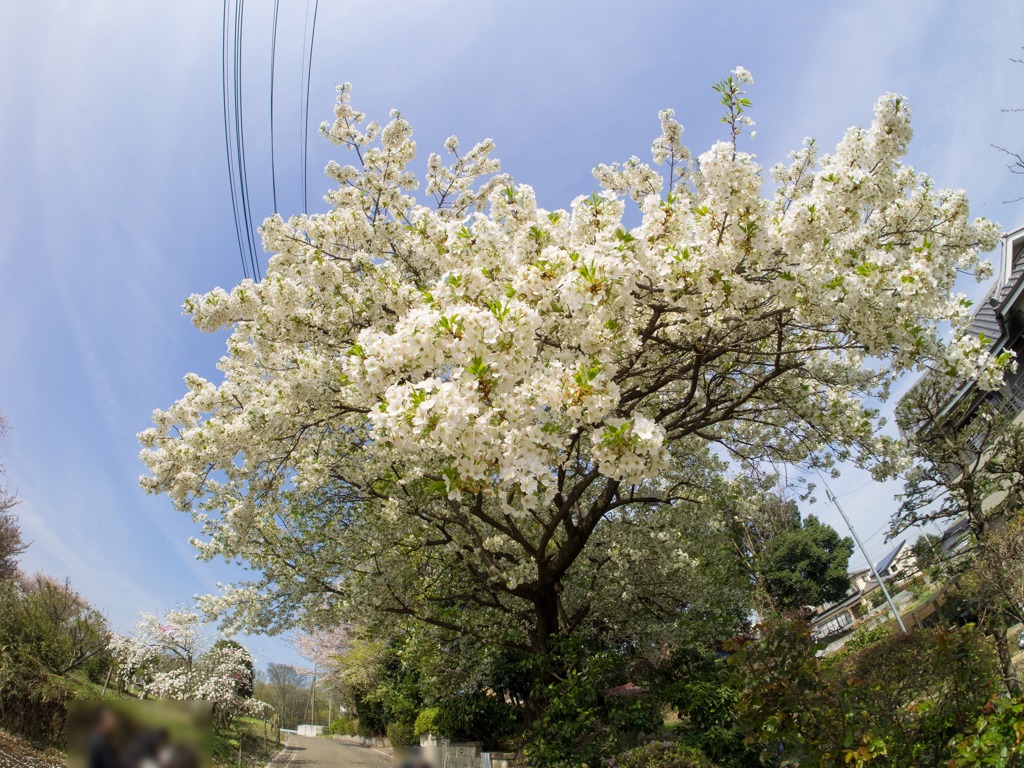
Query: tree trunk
x=542, y=673
x=1005, y=658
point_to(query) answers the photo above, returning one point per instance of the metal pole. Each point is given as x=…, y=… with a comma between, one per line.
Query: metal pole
x=878, y=578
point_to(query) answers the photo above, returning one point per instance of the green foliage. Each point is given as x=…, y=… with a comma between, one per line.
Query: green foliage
x=32, y=700
x=806, y=565
x=876, y=597
x=394, y=695
x=340, y=726
x=476, y=716
x=704, y=692
x=661, y=754
x=426, y=722
x=578, y=722
x=996, y=738
x=244, y=686
x=896, y=702
x=49, y=622
x=866, y=636
x=47, y=631
x=401, y=735
x=927, y=551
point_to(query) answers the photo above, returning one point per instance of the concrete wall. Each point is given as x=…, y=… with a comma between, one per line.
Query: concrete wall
x=310, y=730
x=364, y=741
x=442, y=753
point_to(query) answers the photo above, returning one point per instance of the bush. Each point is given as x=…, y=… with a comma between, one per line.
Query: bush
x=661, y=754
x=47, y=631
x=896, y=702
x=426, y=722
x=579, y=723
x=33, y=702
x=339, y=726
x=864, y=637
x=401, y=735
x=477, y=717
x=997, y=738
x=353, y=726
x=703, y=691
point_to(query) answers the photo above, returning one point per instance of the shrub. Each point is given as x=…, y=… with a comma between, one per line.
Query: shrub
x=579, y=724
x=353, y=726
x=33, y=702
x=400, y=735
x=661, y=754
x=896, y=702
x=46, y=632
x=426, y=722
x=339, y=726
x=477, y=717
x=864, y=637
x=997, y=738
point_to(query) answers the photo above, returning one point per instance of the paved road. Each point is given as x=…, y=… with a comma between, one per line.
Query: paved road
x=308, y=752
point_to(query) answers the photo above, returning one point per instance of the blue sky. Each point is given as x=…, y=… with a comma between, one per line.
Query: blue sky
x=115, y=202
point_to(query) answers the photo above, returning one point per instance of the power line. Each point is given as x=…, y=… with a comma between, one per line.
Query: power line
x=302, y=108
x=227, y=138
x=240, y=139
x=871, y=565
x=273, y=55
x=304, y=144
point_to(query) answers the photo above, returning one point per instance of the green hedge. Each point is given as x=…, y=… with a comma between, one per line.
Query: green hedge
x=426, y=722
x=401, y=735
x=661, y=754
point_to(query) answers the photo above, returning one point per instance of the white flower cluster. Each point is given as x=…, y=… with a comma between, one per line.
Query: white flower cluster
x=481, y=350
x=167, y=658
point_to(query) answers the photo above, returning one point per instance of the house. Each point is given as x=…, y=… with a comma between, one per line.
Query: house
x=842, y=616
x=955, y=537
x=897, y=563
x=999, y=321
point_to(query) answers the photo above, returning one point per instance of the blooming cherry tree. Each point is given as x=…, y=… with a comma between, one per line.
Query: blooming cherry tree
x=168, y=658
x=468, y=412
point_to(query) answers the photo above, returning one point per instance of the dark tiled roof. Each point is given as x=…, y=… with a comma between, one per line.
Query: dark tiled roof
x=960, y=526
x=885, y=562
x=985, y=320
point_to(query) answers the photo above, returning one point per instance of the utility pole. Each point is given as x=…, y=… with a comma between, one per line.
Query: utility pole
x=871, y=565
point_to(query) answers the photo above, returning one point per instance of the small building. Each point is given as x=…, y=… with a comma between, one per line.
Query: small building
x=842, y=616
x=899, y=562
x=309, y=730
x=956, y=537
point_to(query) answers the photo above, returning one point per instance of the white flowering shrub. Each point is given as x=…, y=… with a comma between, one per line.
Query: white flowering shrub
x=454, y=411
x=168, y=658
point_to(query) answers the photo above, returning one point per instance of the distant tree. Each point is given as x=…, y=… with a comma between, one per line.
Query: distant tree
x=927, y=551
x=246, y=676
x=969, y=458
x=284, y=688
x=168, y=657
x=48, y=622
x=11, y=543
x=806, y=565
x=754, y=518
